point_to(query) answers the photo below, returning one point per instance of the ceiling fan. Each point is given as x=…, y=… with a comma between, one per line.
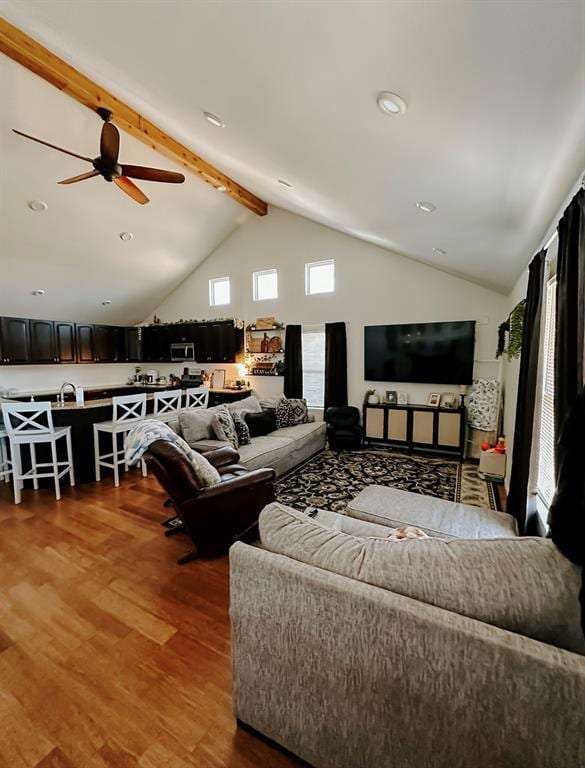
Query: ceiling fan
x=106, y=164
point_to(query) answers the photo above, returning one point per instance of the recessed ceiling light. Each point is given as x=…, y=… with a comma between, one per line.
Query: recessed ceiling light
x=222, y=188
x=426, y=207
x=285, y=184
x=391, y=103
x=439, y=251
x=214, y=119
x=38, y=292
x=125, y=236
x=106, y=302
x=38, y=206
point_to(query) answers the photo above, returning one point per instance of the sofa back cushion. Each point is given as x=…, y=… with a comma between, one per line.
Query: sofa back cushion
x=524, y=584
x=249, y=404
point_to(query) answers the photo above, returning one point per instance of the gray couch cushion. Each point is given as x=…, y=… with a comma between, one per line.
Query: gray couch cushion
x=264, y=451
x=523, y=584
x=249, y=404
x=301, y=431
x=437, y=517
x=195, y=424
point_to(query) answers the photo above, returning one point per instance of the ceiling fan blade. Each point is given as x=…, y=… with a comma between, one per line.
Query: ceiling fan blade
x=152, y=174
x=109, y=143
x=81, y=177
x=131, y=189
x=53, y=146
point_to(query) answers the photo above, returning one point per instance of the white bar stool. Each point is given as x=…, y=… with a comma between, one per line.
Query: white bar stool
x=127, y=411
x=167, y=404
x=5, y=462
x=32, y=424
x=197, y=397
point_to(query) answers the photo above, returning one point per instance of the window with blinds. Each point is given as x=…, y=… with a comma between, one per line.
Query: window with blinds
x=545, y=484
x=313, y=346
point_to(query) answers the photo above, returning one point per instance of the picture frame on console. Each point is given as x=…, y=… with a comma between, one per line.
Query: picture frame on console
x=391, y=397
x=449, y=400
x=434, y=399
x=402, y=398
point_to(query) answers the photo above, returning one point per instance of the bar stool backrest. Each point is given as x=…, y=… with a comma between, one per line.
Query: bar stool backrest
x=167, y=402
x=28, y=419
x=197, y=397
x=128, y=408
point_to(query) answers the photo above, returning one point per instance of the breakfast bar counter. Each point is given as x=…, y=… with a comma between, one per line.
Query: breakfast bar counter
x=96, y=408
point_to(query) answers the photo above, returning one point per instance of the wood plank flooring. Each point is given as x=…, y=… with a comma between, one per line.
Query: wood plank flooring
x=111, y=655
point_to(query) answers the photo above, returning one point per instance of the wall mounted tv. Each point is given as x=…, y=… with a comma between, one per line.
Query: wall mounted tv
x=425, y=353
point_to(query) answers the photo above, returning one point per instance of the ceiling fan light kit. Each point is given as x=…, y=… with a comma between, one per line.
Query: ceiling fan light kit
x=107, y=165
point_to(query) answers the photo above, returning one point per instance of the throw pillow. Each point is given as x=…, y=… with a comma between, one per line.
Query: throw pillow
x=224, y=428
x=206, y=473
x=299, y=412
x=261, y=423
x=242, y=429
x=284, y=414
x=271, y=403
x=195, y=424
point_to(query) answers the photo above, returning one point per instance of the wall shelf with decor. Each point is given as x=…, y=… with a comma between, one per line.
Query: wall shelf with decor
x=265, y=347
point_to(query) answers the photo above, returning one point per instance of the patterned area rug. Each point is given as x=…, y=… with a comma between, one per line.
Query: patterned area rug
x=330, y=480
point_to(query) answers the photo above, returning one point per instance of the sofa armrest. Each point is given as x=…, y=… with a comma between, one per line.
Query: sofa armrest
x=221, y=457
x=407, y=680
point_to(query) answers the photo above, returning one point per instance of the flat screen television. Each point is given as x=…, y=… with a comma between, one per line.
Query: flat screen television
x=425, y=353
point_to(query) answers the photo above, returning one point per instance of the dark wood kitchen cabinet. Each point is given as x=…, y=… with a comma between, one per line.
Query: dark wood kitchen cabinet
x=15, y=340
x=105, y=343
x=85, y=342
x=42, y=341
x=65, y=348
x=132, y=346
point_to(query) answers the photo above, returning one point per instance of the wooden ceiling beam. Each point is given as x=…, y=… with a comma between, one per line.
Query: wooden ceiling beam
x=38, y=59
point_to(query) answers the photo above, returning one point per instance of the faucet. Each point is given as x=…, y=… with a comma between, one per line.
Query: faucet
x=61, y=398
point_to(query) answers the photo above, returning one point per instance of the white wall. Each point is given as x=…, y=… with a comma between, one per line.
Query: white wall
x=373, y=286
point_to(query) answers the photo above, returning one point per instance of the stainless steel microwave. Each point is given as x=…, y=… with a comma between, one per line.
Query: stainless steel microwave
x=182, y=352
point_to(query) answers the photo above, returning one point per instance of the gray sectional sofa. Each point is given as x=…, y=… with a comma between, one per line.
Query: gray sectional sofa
x=281, y=450
x=353, y=651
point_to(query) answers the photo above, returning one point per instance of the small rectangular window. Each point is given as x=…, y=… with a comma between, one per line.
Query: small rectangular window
x=265, y=285
x=320, y=277
x=219, y=291
x=313, y=346
x=545, y=483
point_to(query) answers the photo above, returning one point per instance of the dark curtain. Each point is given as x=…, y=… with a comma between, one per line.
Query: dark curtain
x=567, y=512
x=293, y=362
x=335, y=365
x=527, y=385
x=570, y=312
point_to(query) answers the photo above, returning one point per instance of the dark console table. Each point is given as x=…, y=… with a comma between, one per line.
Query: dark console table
x=416, y=427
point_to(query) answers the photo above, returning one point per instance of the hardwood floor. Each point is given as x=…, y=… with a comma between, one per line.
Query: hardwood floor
x=110, y=653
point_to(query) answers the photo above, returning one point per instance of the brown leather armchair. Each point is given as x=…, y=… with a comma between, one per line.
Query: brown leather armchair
x=217, y=515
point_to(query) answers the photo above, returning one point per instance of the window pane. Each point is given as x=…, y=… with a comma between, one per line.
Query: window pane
x=545, y=485
x=313, y=344
x=219, y=291
x=265, y=285
x=320, y=277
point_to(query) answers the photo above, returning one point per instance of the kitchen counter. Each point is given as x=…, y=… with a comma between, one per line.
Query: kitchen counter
x=117, y=389
x=96, y=408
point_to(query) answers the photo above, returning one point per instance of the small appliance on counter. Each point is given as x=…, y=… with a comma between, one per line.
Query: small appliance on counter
x=152, y=376
x=192, y=377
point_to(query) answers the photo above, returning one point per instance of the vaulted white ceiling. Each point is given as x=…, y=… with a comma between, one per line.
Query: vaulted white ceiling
x=494, y=134
x=73, y=250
